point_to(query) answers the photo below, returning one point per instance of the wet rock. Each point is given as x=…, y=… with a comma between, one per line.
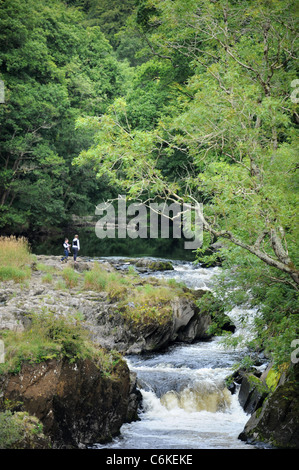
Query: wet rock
x=276, y=421
x=145, y=264
x=253, y=392
x=75, y=402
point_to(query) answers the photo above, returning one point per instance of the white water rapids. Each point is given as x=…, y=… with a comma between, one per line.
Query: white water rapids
x=185, y=402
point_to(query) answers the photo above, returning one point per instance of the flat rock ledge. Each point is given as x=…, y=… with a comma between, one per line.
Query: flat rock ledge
x=100, y=314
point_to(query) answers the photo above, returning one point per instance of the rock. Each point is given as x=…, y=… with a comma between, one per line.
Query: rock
x=146, y=264
x=81, y=266
x=75, y=402
x=253, y=392
x=276, y=422
x=188, y=323
x=135, y=399
x=110, y=328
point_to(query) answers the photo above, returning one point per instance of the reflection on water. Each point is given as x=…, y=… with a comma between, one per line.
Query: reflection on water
x=92, y=246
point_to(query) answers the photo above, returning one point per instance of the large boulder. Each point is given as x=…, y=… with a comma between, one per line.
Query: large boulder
x=76, y=403
x=253, y=392
x=112, y=330
x=276, y=422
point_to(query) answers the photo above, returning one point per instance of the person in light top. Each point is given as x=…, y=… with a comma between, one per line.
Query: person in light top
x=66, y=248
x=75, y=246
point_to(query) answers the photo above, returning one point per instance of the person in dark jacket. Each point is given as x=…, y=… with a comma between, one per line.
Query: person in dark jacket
x=75, y=247
x=66, y=248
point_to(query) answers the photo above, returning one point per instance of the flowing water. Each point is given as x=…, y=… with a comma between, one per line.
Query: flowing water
x=185, y=402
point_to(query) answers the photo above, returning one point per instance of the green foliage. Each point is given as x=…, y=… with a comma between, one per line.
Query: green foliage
x=247, y=282
x=10, y=272
x=225, y=134
x=20, y=430
x=54, y=69
x=47, y=278
x=14, y=259
x=203, y=113
x=150, y=304
x=10, y=431
x=51, y=336
x=113, y=283
x=71, y=277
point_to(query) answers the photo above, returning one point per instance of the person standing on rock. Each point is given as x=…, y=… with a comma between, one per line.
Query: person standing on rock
x=75, y=246
x=66, y=248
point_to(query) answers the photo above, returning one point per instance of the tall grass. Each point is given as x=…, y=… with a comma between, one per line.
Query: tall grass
x=140, y=302
x=71, y=277
x=15, y=259
x=113, y=283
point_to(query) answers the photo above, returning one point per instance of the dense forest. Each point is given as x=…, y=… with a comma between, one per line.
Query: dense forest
x=184, y=100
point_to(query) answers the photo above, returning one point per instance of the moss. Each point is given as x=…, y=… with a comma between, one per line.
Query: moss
x=257, y=384
x=258, y=412
x=274, y=376
x=21, y=431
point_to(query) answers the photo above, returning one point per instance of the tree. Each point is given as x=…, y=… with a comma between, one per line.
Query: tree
x=54, y=69
x=235, y=123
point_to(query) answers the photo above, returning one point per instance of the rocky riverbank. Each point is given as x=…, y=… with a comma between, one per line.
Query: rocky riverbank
x=271, y=400
x=101, y=311
x=75, y=402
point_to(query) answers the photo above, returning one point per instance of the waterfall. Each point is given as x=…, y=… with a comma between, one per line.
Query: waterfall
x=186, y=404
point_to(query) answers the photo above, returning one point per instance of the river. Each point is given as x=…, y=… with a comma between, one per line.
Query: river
x=185, y=402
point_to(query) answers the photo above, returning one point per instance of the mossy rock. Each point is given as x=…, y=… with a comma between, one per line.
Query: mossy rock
x=153, y=265
x=276, y=422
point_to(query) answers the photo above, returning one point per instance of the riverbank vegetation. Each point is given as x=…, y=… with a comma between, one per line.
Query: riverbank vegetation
x=15, y=258
x=49, y=336
x=183, y=101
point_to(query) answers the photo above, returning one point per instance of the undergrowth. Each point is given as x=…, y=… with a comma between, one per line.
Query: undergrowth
x=15, y=259
x=52, y=337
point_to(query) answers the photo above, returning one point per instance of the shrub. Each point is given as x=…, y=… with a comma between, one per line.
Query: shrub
x=15, y=258
x=11, y=273
x=71, y=277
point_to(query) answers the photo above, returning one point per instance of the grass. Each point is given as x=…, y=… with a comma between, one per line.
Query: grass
x=19, y=429
x=113, y=283
x=140, y=301
x=52, y=336
x=47, y=278
x=71, y=277
x=149, y=304
x=15, y=259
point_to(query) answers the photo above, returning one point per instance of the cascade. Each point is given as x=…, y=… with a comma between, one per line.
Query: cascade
x=186, y=404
